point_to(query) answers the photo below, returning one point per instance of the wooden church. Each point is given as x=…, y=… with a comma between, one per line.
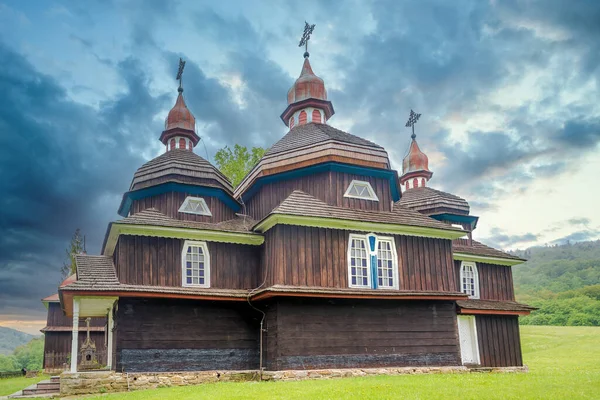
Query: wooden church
x=323, y=257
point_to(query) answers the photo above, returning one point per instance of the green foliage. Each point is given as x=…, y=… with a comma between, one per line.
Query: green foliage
x=236, y=164
x=11, y=338
x=30, y=356
x=563, y=364
x=7, y=363
x=77, y=246
x=563, y=282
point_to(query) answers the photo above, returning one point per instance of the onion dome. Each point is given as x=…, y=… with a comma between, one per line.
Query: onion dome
x=307, y=99
x=180, y=127
x=415, y=167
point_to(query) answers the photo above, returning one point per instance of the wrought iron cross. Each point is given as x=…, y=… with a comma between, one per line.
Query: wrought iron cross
x=308, y=30
x=180, y=71
x=412, y=120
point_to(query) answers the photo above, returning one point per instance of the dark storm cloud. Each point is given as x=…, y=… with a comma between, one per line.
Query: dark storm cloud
x=63, y=166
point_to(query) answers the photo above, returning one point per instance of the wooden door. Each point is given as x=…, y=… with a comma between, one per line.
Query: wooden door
x=467, y=335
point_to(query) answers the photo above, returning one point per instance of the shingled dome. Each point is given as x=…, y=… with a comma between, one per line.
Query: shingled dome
x=308, y=85
x=181, y=166
x=430, y=201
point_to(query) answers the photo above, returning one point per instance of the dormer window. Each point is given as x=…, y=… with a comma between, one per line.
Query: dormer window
x=469, y=279
x=195, y=205
x=361, y=190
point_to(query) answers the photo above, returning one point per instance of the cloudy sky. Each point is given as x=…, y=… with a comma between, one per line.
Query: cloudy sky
x=509, y=92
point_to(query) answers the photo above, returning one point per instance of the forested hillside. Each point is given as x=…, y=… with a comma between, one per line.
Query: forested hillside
x=10, y=339
x=563, y=281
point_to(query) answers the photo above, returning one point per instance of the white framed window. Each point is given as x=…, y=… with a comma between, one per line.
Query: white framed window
x=195, y=205
x=361, y=190
x=195, y=264
x=358, y=262
x=372, y=262
x=469, y=279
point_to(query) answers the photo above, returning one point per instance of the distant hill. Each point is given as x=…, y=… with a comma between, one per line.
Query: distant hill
x=563, y=281
x=10, y=339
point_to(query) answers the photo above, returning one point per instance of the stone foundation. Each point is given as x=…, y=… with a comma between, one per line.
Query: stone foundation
x=93, y=382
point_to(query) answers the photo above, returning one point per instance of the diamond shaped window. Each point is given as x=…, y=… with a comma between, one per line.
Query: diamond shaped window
x=195, y=205
x=361, y=190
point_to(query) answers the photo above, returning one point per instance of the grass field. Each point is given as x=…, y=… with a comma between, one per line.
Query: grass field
x=12, y=385
x=564, y=363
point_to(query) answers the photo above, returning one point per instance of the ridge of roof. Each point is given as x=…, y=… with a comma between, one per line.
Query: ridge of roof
x=314, y=133
x=299, y=203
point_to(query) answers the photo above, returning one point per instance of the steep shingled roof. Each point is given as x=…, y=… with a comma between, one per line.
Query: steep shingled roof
x=313, y=133
x=480, y=249
x=303, y=204
x=153, y=217
x=426, y=198
x=177, y=163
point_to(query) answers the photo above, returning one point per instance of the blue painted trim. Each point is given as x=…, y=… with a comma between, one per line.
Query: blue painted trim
x=374, y=274
x=469, y=219
x=220, y=194
x=388, y=174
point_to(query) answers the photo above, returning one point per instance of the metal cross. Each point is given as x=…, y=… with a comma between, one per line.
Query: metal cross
x=308, y=30
x=180, y=71
x=412, y=120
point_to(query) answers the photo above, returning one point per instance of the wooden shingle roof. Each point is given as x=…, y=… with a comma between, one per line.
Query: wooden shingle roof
x=153, y=217
x=493, y=305
x=175, y=165
x=302, y=204
x=313, y=133
x=480, y=249
x=426, y=198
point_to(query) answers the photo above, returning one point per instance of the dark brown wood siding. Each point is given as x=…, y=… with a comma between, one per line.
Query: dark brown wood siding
x=57, y=347
x=169, y=203
x=499, y=341
x=143, y=260
x=56, y=317
x=326, y=186
x=184, y=335
x=310, y=333
x=495, y=281
x=305, y=256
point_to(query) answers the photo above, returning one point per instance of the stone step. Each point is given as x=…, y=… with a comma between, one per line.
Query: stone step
x=48, y=385
x=55, y=379
x=33, y=392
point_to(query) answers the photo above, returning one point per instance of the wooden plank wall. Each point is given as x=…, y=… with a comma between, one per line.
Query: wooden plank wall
x=182, y=335
x=305, y=256
x=313, y=333
x=169, y=203
x=326, y=186
x=142, y=260
x=60, y=343
x=499, y=340
x=56, y=317
x=495, y=281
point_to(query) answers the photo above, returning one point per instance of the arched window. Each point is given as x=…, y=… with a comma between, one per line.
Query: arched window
x=190, y=145
x=415, y=183
x=182, y=143
x=372, y=262
x=195, y=264
x=469, y=279
x=302, y=118
x=316, y=116
x=291, y=122
x=422, y=182
x=172, y=144
x=407, y=185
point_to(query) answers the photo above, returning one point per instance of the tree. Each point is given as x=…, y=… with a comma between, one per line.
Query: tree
x=77, y=246
x=236, y=164
x=30, y=356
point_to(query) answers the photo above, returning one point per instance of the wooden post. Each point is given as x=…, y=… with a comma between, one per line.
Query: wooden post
x=75, y=334
x=109, y=347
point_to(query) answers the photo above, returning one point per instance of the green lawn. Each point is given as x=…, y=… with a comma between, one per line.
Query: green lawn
x=564, y=364
x=12, y=385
